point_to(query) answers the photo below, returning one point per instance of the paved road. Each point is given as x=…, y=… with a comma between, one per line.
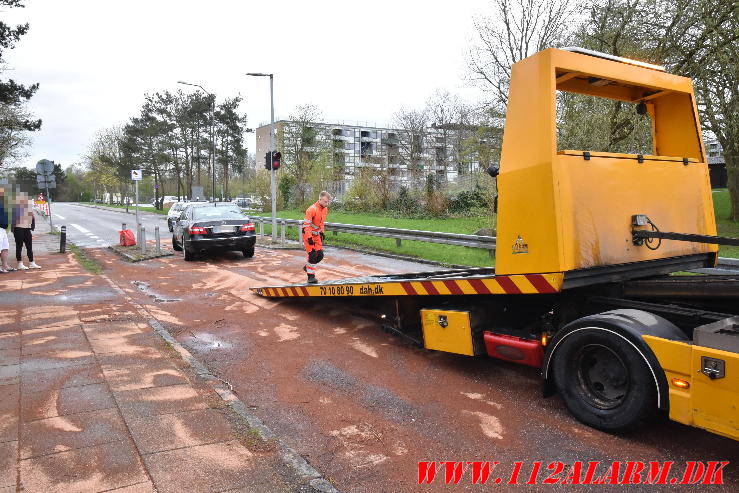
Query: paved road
x=363, y=406
x=90, y=227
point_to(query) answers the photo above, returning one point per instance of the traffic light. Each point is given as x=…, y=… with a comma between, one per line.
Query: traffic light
x=276, y=156
x=268, y=161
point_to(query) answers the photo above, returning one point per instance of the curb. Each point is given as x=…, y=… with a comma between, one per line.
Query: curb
x=134, y=259
x=290, y=457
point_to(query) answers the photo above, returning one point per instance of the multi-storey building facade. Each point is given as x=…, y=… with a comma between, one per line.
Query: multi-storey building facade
x=716, y=164
x=403, y=154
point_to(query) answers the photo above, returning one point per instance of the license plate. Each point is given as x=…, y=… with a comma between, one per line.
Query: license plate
x=223, y=229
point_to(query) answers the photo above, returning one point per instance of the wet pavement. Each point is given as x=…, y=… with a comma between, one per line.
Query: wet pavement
x=93, y=399
x=364, y=407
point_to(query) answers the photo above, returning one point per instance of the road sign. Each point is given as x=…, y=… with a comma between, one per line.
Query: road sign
x=47, y=184
x=45, y=167
x=136, y=174
x=41, y=179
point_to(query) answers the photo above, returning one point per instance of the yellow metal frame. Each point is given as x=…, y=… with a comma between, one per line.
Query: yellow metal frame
x=559, y=212
x=709, y=404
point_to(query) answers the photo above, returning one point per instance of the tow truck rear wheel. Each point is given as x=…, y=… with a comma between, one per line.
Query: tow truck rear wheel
x=604, y=380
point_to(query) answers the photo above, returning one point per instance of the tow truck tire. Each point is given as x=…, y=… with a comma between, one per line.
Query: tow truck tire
x=604, y=380
x=175, y=246
x=248, y=252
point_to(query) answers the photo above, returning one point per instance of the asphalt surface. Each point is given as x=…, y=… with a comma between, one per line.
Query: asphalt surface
x=364, y=407
x=92, y=227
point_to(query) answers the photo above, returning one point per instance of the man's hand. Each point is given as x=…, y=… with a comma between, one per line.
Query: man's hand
x=310, y=241
x=322, y=235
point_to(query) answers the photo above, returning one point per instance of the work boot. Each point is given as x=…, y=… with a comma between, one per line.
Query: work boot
x=312, y=279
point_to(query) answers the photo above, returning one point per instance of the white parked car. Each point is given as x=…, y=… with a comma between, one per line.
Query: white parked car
x=174, y=213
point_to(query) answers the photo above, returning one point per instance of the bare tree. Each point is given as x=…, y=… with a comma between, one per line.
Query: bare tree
x=414, y=128
x=515, y=30
x=301, y=142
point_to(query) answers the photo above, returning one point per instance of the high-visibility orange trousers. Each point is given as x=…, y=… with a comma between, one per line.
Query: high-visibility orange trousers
x=314, y=253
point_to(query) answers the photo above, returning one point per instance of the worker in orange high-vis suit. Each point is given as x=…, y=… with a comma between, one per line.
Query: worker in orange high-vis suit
x=315, y=218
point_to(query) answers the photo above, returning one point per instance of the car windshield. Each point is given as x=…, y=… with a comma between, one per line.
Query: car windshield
x=217, y=213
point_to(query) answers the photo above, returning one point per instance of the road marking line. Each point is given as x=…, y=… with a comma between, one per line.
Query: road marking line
x=80, y=228
x=59, y=216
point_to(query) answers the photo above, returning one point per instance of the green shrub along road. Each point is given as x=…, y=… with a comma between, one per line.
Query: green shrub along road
x=456, y=255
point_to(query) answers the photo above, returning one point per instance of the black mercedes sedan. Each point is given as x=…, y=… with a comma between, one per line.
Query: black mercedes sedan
x=206, y=227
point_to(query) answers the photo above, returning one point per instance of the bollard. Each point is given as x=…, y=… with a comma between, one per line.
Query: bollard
x=123, y=226
x=158, y=240
x=63, y=240
x=282, y=232
x=261, y=228
x=397, y=242
x=142, y=239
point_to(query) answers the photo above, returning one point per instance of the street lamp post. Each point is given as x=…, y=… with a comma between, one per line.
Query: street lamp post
x=212, y=135
x=271, y=148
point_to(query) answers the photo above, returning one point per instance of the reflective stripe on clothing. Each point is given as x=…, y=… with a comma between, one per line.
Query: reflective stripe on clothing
x=310, y=269
x=315, y=218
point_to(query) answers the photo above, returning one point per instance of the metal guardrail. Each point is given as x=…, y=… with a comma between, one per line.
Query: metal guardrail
x=473, y=241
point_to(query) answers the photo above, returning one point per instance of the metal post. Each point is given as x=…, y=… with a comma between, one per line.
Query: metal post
x=123, y=226
x=261, y=227
x=143, y=239
x=213, y=136
x=272, y=148
x=397, y=242
x=137, y=204
x=63, y=240
x=282, y=232
x=48, y=201
x=158, y=240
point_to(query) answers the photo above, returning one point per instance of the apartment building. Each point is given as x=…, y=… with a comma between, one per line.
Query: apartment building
x=716, y=164
x=405, y=155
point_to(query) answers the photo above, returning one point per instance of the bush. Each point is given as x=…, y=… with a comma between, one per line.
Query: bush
x=466, y=201
x=404, y=203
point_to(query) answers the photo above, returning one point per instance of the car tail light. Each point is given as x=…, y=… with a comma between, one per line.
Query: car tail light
x=197, y=230
x=247, y=227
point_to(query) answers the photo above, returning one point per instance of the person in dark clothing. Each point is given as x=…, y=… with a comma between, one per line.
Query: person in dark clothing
x=23, y=223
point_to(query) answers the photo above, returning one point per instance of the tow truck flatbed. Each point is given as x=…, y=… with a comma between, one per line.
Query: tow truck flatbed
x=479, y=281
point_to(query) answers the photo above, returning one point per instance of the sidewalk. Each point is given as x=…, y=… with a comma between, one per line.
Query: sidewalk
x=92, y=399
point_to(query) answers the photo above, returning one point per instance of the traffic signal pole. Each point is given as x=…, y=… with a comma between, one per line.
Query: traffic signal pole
x=271, y=150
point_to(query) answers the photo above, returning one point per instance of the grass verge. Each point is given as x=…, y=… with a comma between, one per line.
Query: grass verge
x=133, y=209
x=724, y=225
x=89, y=264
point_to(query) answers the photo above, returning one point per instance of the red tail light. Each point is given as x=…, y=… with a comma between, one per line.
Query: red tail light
x=197, y=230
x=247, y=227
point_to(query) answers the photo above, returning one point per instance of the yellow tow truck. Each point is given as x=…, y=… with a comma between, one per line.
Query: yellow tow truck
x=587, y=246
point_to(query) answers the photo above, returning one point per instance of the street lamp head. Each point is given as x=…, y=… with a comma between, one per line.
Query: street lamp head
x=258, y=74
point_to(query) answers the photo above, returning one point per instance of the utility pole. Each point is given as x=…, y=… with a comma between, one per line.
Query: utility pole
x=271, y=149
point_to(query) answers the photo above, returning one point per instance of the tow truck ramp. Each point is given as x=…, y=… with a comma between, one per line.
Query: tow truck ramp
x=482, y=281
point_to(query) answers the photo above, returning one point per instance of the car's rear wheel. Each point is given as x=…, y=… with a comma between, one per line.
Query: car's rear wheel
x=186, y=252
x=175, y=246
x=248, y=252
x=169, y=225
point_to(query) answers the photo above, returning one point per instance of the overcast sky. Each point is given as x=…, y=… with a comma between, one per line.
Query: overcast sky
x=356, y=61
